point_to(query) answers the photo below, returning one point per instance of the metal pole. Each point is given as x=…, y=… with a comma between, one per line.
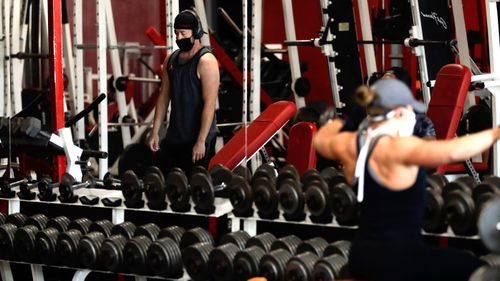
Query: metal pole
x=7, y=67
x=293, y=52
x=78, y=67
x=330, y=56
x=16, y=72
x=56, y=77
x=245, y=76
x=366, y=33
x=3, y=92
x=117, y=70
x=255, y=59
x=103, y=83
x=202, y=14
x=416, y=32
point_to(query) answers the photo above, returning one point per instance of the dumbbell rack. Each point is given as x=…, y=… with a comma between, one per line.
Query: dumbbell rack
x=223, y=207
x=250, y=226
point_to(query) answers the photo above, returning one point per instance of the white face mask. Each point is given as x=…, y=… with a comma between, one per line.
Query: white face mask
x=407, y=123
x=404, y=124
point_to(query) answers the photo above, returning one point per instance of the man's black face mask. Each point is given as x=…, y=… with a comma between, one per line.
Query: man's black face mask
x=185, y=44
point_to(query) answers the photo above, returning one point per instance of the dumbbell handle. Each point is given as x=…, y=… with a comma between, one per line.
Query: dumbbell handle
x=220, y=187
x=80, y=185
x=17, y=183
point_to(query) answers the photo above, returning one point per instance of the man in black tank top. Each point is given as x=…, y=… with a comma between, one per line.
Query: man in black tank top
x=190, y=84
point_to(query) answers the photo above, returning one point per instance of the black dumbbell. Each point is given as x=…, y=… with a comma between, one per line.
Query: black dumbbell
x=244, y=172
x=240, y=195
x=89, y=248
x=289, y=243
x=155, y=188
x=273, y=265
x=67, y=242
x=135, y=250
x=164, y=258
x=487, y=190
x=459, y=207
x=45, y=190
x=195, y=260
x=291, y=195
x=164, y=255
x=196, y=245
x=246, y=262
x=112, y=247
x=69, y=185
x=434, y=218
x=332, y=267
x=6, y=187
x=220, y=260
x=300, y=267
x=340, y=247
x=25, y=192
x=24, y=238
x=265, y=194
x=46, y=240
x=178, y=191
x=3, y=217
x=153, y=185
x=317, y=193
x=7, y=231
x=109, y=181
x=264, y=241
x=173, y=232
x=316, y=245
x=194, y=236
x=205, y=186
x=17, y=219
x=345, y=206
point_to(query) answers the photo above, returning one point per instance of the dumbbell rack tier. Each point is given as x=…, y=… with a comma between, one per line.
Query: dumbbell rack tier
x=223, y=207
x=250, y=226
x=80, y=274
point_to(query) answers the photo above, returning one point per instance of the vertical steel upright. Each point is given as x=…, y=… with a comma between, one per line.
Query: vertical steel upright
x=366, y=34
x=3, y=92
x=116, y=68
x=255, y=59
x=293, y=52
x=56, y=77
x=330, y=55
x=78, y=65
x=6, y=41
x=102, y=84
x=244, y=110
x=416, y=32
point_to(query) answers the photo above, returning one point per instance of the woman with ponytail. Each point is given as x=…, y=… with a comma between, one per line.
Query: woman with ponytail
x=387, y=165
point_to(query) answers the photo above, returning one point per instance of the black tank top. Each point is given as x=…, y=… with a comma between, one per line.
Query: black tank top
x=388, y=215
x=186, y=100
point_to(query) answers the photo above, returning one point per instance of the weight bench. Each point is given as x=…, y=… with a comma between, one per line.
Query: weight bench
x=446, y=107
x=259, y=132
x=301, y=152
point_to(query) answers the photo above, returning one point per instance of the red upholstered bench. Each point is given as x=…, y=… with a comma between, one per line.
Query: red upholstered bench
x=446, y=106
x=259, y=132
x=301, y=152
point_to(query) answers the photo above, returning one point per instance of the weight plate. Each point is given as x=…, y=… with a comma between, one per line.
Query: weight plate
x=240, y=193
x=154, y=187
x=178, y=190
x=291, y=198
x=332, y=176
x=131, y=186
x=202, y=190
x=344, y=204
x=488, y=224
x=265, y=195
x=220, y=174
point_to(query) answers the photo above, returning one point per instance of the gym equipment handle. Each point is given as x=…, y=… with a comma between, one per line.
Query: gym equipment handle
x=86, y=111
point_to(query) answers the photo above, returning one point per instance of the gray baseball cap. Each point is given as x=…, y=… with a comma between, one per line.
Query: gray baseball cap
x=393, y=93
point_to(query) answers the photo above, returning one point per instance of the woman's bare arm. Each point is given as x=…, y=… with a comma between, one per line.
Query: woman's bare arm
x=415, y=151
